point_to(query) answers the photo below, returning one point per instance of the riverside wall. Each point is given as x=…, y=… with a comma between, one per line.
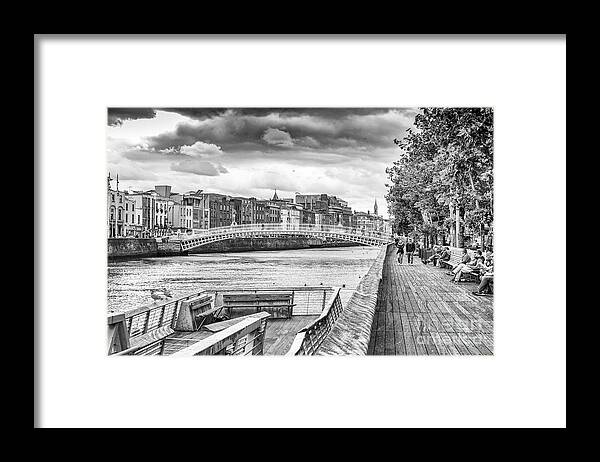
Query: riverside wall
x=351, y=332
x=132, y=247
x=122, y=248
x=283, y=243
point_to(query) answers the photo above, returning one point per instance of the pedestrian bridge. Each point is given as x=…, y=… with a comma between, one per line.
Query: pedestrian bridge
x=201, y=237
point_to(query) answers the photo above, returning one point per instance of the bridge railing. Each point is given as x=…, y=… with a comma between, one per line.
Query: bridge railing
x=266, y=227
x=308, y=339
x=124, y=327
x=243, y=338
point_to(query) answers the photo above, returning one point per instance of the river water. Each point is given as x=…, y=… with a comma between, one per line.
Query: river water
x=130, y=282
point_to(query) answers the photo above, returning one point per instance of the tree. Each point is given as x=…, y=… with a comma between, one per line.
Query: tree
x=442, y=182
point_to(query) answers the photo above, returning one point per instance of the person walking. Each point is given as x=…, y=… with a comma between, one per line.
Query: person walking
x=410, y=251
x=400, y=251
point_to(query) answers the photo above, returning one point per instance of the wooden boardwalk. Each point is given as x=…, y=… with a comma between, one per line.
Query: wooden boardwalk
x=420, y=312
x=280, y=333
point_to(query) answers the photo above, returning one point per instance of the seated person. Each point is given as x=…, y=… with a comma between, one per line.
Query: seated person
x=475, y=266
x=437, y=253
x=445, y=256
x=488, y=254
x=488, y=276
x=465, y=260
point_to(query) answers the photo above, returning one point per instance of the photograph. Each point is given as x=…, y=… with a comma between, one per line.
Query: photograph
x=325, y=211
x=300, y=231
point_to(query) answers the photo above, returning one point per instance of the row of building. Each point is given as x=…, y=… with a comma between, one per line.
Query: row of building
x=160, y=211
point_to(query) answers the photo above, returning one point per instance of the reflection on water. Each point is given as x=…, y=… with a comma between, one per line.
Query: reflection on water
x=130, y=282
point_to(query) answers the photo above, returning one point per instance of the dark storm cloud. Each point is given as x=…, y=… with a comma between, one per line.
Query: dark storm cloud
x=116, y=115
x=206, y=113
x=276, y=130
x=195, y=112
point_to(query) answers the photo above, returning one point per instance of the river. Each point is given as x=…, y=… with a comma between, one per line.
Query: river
x=130, y=282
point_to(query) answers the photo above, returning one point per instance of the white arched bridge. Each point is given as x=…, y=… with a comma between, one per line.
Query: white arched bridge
x=201, y=237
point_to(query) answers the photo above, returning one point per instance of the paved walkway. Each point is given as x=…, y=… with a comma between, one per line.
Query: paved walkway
x=420, y=312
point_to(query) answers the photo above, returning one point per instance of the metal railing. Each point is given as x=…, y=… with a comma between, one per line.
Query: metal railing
x=148, y=318
x=289, y=227
x=205, y=236
x=308, y=340
x=244, y=338
x=307, y=300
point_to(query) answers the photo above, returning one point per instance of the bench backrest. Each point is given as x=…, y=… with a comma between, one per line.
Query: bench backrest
x=195, y=312
x=278, y=304
x=456, y=255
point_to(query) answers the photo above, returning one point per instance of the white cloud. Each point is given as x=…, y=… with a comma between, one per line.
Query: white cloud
x=197, y=167
x=201, y=149
x=277, y=137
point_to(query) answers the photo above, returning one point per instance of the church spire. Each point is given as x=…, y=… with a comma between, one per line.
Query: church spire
x=375, y=208
x=275, y=198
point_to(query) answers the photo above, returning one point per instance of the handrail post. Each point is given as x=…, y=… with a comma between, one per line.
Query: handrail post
x=118, y=336
x=146, y=321
x=162, y=315
x=293, y=294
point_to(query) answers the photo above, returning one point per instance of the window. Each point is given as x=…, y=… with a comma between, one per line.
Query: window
x=112, y=197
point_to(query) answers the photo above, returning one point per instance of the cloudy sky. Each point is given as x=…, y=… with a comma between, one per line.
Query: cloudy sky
x=251, y=152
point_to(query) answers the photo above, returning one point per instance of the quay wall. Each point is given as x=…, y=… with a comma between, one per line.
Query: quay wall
x=351, y=333
x=283, y=243
x=169, y=249
x=132, y=247
x=139, y=248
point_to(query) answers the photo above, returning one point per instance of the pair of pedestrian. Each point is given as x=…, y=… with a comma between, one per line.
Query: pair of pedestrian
x=410, y=251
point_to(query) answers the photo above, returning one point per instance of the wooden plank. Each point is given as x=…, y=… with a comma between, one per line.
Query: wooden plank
x=399, y=343
x=421, y=337
x=216, y=342
x=390, y=348
x=379, y=348
x=281, y=333
x=429, y=312
x=371, y=348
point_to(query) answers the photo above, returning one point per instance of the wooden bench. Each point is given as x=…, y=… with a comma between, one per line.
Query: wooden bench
x=474, y=276
x=277, y=304
x=196, y=312
x=455, y=259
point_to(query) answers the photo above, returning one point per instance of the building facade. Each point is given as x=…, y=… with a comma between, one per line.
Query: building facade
x=337, y=209
x=290, y=215
x=161, y=212
x=120, y=212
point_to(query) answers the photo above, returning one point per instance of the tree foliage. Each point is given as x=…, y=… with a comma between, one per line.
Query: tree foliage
x=445, y=165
